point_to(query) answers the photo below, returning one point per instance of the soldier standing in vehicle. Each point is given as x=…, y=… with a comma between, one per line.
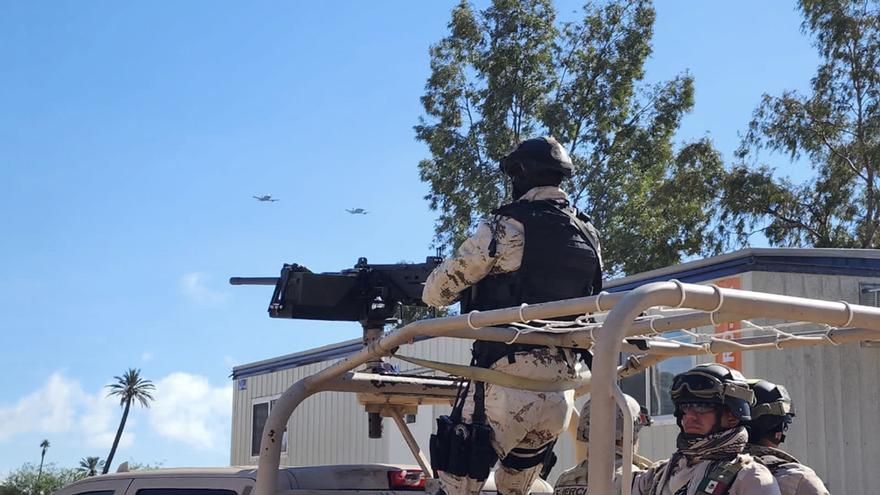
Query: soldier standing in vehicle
x=711, y=402
x=535, y=249
x=771, y=416
x=575, y=480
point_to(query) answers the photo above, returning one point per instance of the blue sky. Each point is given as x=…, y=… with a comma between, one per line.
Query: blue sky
x=133, y=136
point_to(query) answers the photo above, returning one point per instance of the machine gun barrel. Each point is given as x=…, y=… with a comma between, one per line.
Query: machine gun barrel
x=253, y=280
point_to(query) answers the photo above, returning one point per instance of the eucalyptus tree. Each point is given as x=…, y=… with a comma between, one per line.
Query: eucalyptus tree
x=512, y=71
x=129, y=387
x=835, y=129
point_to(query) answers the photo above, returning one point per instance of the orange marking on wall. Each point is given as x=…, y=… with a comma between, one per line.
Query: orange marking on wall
x=732, y=359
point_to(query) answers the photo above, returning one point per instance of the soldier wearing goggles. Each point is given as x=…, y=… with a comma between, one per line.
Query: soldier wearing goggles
x=712, y=402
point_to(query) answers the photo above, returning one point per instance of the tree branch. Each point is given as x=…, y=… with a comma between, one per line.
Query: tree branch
x=797, y=223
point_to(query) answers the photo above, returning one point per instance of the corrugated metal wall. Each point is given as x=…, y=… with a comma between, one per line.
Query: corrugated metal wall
x=330, y=427
x=836, y=390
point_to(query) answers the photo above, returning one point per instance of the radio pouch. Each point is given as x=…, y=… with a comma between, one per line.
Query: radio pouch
x=464, y=449
x=443, y=443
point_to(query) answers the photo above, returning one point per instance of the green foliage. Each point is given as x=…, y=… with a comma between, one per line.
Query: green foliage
x=511, y=72
x=409, y=314
x=131, y=387
x=28, y=479
x=10, y=490
x=835, y=129
x=143, y=466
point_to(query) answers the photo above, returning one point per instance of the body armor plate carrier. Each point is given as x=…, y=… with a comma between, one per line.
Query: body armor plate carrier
x=561, y=259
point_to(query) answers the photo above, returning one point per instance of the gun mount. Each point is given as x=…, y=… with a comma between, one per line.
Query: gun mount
x=369, y=294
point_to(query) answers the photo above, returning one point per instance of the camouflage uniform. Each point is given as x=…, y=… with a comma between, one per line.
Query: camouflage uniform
x=753, y=479
x=472, y=261
x=792, y=477
x=519, y=418
x=575, y=481
x=683, y=474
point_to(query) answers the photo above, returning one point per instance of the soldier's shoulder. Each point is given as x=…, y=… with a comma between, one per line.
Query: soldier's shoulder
x=753, y=477
x=799, y=479
x=572, y=481
x=750, y=462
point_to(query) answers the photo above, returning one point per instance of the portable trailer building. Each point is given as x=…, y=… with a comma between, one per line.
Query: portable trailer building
x=836, y=389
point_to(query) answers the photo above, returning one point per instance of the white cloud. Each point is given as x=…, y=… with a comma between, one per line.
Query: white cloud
x=99, y=422
x=50, y=409
x=147, y=357
x=189, y=410
x=194, y=286
x=61, y=406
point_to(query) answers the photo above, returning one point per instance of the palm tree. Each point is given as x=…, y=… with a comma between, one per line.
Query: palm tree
x=89, y=466
x=45, y=446
x=129, y=387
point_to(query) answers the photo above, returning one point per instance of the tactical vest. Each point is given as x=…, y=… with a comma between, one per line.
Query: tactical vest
x=561, y=259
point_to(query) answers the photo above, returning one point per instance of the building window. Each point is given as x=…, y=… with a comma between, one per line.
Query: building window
x=869, y=294
x=261, y=409
x=651, y=387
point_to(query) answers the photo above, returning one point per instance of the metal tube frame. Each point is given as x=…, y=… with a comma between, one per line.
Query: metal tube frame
x=723, y=305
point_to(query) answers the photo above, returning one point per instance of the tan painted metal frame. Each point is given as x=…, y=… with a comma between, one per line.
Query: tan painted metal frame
x=715, y=305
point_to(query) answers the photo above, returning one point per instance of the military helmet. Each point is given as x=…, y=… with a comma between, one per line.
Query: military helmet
x=772, y=411
x=713, y=384
x=537, y=156
x=640, y=418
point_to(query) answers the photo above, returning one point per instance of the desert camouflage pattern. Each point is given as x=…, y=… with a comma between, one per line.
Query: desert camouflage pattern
x=792, y=477
x=575, y=480
x=519, y=418
x=753, y=478
x=471, y=262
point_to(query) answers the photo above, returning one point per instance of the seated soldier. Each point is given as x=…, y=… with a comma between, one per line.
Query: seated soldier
x=771, y=417
x=574, y=481
x=711, y=403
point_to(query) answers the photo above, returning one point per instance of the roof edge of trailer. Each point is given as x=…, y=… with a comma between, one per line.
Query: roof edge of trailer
x=821, y=261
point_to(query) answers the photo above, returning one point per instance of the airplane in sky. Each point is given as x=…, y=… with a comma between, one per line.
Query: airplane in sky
x=266, y=198
x=357, y=211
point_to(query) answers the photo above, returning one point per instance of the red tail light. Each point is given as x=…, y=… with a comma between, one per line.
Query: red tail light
x=411, y=479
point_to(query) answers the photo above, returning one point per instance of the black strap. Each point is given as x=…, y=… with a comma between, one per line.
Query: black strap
x=460, y=397
x=520, y=458
x=479, y=415
x=720, y=477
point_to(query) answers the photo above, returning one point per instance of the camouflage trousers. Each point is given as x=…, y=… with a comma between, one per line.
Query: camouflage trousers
x=519, y=419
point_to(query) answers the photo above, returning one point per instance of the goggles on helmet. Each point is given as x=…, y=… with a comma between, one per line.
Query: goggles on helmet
x=778, y=408
x=706, y=386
